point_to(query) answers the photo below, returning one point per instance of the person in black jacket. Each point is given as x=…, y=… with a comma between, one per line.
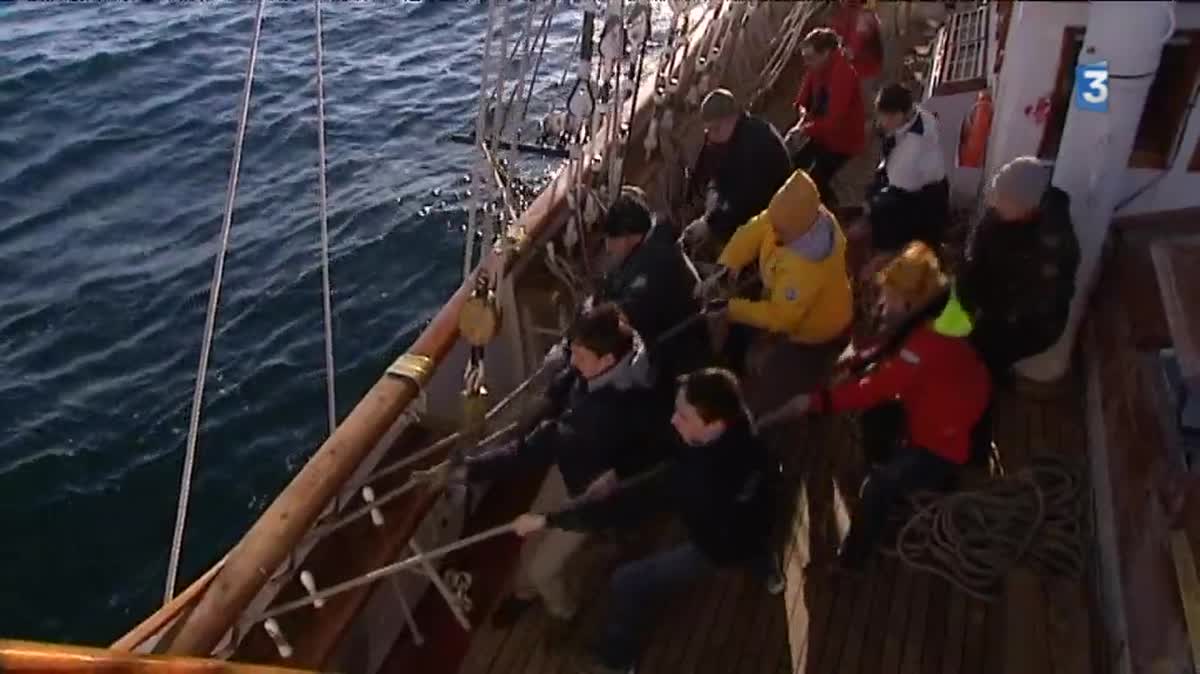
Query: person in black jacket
x=718, y=485
x=1018, y=279
x=742, y=164
x=655, y=284
x=596, y=432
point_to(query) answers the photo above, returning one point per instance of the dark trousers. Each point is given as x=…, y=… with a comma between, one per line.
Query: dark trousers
x=821, y=165
x=907, y=470
x=639, y=591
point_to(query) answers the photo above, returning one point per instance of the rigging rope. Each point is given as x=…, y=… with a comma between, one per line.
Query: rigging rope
x=973, y=538
x=477, y=166
x=189, y=458
x=326, y=293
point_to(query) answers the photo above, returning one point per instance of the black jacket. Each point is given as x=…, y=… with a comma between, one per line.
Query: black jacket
x=655, y=289
x=746, y=172
x=1018, y=280
x=591, y=427
x=720, y=491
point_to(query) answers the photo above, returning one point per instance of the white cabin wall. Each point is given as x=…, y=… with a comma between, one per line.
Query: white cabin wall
x=1027, y=77
x=1034, y=44
x=1178, y=188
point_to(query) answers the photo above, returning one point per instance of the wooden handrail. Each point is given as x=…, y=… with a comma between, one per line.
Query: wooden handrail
x=25, y=656
x=280, y=528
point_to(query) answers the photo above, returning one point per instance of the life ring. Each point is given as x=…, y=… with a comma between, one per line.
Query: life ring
x=973, y=136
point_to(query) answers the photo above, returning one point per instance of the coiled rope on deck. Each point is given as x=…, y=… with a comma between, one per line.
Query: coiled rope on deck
x=972, y=539
x=214, y=296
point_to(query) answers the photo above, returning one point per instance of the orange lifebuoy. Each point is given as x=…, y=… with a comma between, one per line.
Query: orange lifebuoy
x=973, y=137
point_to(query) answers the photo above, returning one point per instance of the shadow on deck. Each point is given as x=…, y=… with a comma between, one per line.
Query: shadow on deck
x=891, y=621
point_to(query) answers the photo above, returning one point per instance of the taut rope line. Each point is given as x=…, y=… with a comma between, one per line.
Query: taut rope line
x=214, y=296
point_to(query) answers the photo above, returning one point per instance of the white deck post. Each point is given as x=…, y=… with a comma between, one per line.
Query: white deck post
x=1095, y=147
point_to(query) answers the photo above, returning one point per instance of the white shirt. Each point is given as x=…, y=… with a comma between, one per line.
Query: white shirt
x=916, y=160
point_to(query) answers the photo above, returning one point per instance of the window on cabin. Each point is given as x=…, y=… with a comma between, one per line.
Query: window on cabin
x=1166, y=104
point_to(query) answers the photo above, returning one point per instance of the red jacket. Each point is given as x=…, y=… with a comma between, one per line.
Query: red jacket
x=860, y=32
x=836, y=114
x=941, y=383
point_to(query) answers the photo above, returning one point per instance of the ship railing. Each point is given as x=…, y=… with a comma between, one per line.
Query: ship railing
x=210, y=615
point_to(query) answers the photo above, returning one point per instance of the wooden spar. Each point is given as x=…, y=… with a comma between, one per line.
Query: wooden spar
x=163, y=616
x=281, y=527
x=24, y=656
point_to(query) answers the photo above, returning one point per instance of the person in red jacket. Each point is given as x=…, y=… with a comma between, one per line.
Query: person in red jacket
x=832, y=119
x=861, y=37
x=938, y=381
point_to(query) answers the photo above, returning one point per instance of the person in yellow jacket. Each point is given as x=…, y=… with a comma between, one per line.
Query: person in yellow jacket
x=802, y=321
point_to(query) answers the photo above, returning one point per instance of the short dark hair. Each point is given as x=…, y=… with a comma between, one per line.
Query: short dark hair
x=603, y=330
x=823, y=39
x=893, y=98
x=716, y=395
x=628, y=214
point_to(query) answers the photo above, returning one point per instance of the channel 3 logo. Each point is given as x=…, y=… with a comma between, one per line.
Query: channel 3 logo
x=1091, y=86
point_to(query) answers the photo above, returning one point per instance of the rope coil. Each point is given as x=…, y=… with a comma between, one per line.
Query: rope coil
x=973, y=538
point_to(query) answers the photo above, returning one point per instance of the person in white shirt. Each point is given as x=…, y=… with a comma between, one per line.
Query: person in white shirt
x=909, y=197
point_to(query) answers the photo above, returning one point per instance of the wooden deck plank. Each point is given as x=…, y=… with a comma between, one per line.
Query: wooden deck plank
x=934, y=647
x=859, y=627
x=888, y=576
x=995, y=656
x=1068, y=631
x=676, y=631
x=1025, y=624
x=829, y=647
x=975, y=640
x=724, y=645
x=914, y=633
x=956, y=633
x=710, y=617
x=755, y=649
x=897, y=621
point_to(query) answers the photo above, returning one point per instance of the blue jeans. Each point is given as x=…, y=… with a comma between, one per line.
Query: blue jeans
x=908, y=470
x=639, y=591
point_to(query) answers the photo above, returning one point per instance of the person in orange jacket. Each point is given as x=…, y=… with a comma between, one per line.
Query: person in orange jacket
x=832, y=117
x=929, y=379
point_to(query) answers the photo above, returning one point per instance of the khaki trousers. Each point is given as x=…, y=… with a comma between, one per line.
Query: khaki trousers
x=545, y=555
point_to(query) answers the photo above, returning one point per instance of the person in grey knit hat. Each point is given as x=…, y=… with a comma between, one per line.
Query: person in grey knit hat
x=742, y=164
x=1018, y=187
x=1018, y=278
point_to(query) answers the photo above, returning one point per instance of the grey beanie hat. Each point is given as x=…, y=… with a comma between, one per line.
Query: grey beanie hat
x=719, y=103
x=1022, y=182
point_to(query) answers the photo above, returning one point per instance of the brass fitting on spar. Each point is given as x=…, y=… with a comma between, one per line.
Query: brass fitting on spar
x=413, y=366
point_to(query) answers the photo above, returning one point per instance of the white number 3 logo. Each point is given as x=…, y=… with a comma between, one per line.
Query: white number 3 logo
x=1096, y=86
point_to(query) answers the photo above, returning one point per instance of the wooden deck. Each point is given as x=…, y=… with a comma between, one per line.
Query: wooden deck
x=892, y=621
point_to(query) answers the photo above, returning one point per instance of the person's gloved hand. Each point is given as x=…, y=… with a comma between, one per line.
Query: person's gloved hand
x=796, y=136
x=695, y=233
x=710, y=286
x=529, y=523
x=797, y=406
x=558, y=355
x=716, y=306
x=438, y=476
